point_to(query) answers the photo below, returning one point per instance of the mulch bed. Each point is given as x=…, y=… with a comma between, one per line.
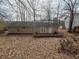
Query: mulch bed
x=20, y=33
x=39, y=35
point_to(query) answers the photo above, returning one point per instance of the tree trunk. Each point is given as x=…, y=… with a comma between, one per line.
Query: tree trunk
x=71, y=21
x=49, y=18
x=34, y=15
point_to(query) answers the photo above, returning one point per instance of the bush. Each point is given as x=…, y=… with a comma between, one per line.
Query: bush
x=70, y=46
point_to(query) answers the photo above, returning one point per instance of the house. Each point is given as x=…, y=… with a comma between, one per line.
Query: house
x=31, y=27
x=75, y=21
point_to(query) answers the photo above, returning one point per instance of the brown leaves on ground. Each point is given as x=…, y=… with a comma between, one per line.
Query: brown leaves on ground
x=16, y=47
x=27, y=47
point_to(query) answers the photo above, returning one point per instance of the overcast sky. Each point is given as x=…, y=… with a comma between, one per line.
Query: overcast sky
x=8, y=10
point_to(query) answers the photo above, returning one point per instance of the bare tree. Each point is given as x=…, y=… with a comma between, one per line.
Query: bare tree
x=3, y=12
x=21, y=10
x=33, y=4
x=71, y=7
x=58, y=9
x=29, y=8
x=48, y=8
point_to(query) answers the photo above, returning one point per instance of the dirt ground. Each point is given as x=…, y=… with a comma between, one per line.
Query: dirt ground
x=27, y=47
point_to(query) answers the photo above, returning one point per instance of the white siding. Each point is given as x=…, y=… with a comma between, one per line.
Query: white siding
x=50, y=29
x=75, y=22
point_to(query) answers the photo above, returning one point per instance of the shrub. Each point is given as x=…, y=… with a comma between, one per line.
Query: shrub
x=69, y=46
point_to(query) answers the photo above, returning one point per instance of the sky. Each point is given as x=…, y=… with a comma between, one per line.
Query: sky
x=13, y=15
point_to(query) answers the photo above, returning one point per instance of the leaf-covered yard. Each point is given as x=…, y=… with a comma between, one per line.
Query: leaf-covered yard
x=27, y=47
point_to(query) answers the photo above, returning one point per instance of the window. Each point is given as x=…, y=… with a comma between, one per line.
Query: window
x=42, y=29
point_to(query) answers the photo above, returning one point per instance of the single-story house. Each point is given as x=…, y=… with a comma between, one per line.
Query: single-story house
x=31, y=27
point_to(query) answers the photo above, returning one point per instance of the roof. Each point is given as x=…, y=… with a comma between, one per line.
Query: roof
x=30, y=24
